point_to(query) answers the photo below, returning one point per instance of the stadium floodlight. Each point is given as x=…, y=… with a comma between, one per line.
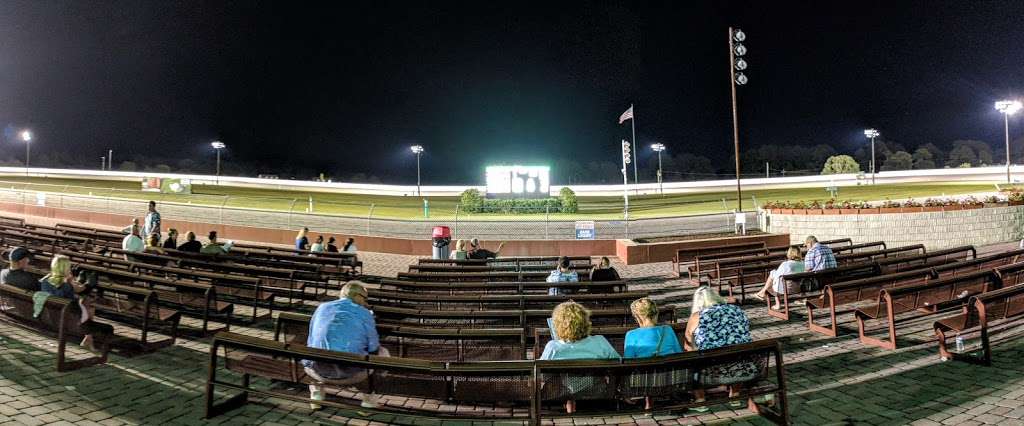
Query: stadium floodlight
x=26, y=136
x=217, y=146
x=737, y=78
x=1008, y=108
x=418, y=150
x=658, y=147
x=872, y=134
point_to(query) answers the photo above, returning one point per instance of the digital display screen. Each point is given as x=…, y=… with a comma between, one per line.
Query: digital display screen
x=528, y=181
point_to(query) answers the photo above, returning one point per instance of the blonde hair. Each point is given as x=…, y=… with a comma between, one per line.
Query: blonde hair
x=60, y=269
x=644, y=308
x=460, y=245
x=793, y=253
x=705, y=298
x=153, y=240
x=302, y=233
x=353, y=288
x=572, y=321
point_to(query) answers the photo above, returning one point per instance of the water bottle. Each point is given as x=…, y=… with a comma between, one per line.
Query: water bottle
x=959, y=343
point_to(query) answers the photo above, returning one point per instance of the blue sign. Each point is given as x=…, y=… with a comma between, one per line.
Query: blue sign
x=585, y=230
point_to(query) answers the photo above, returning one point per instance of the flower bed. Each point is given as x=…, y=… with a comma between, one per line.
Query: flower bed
x=833, y=206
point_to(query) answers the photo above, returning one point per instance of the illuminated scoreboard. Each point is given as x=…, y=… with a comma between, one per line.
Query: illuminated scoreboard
x=518, y=181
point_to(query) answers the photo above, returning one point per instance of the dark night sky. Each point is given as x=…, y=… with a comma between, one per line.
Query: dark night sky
x=348, y=87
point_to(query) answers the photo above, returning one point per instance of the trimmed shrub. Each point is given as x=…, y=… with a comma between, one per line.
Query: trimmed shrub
x=568, y=199
x=471, y=200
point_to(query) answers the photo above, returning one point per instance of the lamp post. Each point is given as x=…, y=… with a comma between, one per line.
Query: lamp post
x=872, y=133
x=418, y=150
x=26, y=136
x=737, y=63
x=217, y=146
x=659, y=148
x=1008, y=108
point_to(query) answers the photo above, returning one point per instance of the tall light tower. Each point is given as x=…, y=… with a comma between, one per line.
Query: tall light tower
x=1008, y=108
x=218, y=145
x=737, y=63
x=418, y=150
x=26, y=136
x=659, y=148
x=872, y=134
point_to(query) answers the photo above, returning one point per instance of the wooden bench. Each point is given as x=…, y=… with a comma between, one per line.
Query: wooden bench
x=706, y=266
x=441, y=268
x=929, y=298
x=435, y=344
x=479, y=276
x=500, y=287
x=858, y=248
x=500, y=318
x=686, y=256
x=533, y=384
x=349, y=259
x=12, y=221
x=983, y=312
x=58, y=318
x=498, y=301
x=517, y=261
x=868, y=256
x=748, y=275
x=854, y=291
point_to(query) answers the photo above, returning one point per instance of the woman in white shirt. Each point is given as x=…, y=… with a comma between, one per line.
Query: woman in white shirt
x=792, y=265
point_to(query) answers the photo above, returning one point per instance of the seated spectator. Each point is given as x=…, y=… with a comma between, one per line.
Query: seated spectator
x=301, y=241
x=128, y=229
x=190, y=245
x=16, y=275
x=460, y=252
x=561, y=274
x=350, y=245
x=331, y=247
x=714, y=323
x=133, y=242
x=61, y=283
x=153, y=245
x=650, y=339
x=571, y=339
x=819, y=256
x=775, y=284
x=214, y=247
x=604, y=271
x=172, y=239
x=344, y=325
x=318, y=246
x=477, y=252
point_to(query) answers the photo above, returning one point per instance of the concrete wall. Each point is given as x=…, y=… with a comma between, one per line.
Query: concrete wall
x=936, y=230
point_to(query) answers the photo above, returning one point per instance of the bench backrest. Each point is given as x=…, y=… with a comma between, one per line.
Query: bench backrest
x=868, y=288
x=1004, y=303
x=58, y=314
x=497, y=301
x=857, y=248
x=980, y=263
x=615, y=335
x=514, y=287
x=685, y=255
x=867, y=256
x=939, y=292
x=926, y=260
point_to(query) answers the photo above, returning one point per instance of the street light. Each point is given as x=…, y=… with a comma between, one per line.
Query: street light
x=659, y=148
x=872, y=133
x=26, y=136
x=218, y=145
x=1008, y=108
x=418, y=150
x=736, y=78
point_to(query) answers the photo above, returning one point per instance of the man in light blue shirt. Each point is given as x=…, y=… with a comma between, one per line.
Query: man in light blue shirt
x=344, y=325
x=152, y=223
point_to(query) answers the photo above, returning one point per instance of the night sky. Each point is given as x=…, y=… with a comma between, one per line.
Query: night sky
x=348, y=87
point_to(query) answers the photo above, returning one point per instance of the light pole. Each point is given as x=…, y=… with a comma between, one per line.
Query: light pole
x=872, y=133
x=418, y=150
x=1008, y=108
x=737, y=63
x=658, y=147
x=26, y=136
x=217, y=146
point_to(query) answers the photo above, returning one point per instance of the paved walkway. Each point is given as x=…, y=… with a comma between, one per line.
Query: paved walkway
x=833, y=381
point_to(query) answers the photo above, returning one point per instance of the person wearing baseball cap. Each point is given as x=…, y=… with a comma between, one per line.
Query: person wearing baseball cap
x=16, y=275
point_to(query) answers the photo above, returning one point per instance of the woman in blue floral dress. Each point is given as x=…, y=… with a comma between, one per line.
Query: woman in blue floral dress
x=714, y=323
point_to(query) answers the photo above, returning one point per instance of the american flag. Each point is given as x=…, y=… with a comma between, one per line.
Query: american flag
x=628, y=115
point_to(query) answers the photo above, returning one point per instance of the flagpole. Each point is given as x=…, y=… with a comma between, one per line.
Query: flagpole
x=632, y=122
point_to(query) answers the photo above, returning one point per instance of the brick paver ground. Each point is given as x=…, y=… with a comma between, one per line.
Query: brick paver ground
x=832, y=381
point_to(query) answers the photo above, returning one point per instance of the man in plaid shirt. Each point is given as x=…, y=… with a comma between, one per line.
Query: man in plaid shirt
x=818, y=256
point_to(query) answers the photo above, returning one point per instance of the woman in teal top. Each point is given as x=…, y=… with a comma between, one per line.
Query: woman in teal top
x=650, y=339
x=571, y=339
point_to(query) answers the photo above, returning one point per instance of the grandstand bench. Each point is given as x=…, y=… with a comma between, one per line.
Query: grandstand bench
x=1004, y=306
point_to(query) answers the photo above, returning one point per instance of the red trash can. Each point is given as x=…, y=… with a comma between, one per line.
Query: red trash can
x=441, y=240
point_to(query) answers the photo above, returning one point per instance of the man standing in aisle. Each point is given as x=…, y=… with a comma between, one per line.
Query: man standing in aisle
x=152, y=224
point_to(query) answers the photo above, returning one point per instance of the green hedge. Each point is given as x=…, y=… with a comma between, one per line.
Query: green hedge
x=473, y=202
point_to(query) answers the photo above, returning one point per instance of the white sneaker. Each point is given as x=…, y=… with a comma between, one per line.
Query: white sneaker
x=369, y=401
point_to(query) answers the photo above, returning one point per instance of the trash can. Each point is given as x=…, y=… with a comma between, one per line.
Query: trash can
x=442, y=238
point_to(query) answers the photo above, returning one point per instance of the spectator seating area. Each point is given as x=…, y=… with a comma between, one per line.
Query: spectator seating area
x=470, y=332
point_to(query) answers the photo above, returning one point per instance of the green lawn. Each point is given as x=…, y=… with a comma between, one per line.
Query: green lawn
x=444, y=207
